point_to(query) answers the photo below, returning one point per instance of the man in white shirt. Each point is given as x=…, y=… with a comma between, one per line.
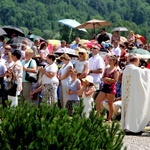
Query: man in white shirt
x=63, y=44
x=96, y=66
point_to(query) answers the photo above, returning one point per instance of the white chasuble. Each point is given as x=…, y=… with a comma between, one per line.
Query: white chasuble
x=135, y=98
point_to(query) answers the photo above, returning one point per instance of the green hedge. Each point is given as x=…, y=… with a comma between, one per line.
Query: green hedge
x=50, y=128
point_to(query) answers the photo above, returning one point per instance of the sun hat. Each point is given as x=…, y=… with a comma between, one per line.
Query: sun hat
x=82, y=50
x=7, y=47
x=88, y=78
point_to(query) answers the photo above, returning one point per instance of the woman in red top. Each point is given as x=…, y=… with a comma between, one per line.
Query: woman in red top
x=108, y=91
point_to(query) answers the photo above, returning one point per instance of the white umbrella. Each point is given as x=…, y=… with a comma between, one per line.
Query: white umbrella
x=69, y=51
x=119, y=29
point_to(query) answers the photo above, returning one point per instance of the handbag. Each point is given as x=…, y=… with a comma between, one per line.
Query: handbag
x=31, y=77
x=11, y=87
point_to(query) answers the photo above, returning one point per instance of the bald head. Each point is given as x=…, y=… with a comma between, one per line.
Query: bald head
x=134, y=60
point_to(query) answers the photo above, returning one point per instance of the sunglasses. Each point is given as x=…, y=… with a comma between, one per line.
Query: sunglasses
x=80, y=53
x=94, y=48
x=7, y=48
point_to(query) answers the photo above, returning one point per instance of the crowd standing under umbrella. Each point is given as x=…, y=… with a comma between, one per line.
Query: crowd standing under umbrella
x=59, y=67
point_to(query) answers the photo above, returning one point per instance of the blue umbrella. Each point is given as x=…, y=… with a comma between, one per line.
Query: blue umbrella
x=72, y=24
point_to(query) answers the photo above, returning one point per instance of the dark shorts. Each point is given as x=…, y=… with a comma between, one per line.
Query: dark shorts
x=109, y=88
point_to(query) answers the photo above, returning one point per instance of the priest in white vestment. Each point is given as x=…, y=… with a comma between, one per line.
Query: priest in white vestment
x=135, y=97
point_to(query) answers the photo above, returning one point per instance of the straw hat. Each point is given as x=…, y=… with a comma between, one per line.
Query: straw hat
x=82, y=50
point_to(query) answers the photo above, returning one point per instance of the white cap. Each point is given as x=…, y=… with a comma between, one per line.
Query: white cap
x=88, y=78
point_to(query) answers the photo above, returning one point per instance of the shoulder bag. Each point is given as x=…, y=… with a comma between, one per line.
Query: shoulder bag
x=30, y=76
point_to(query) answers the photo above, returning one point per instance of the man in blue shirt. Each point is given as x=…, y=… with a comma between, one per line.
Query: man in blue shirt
x=76, y=44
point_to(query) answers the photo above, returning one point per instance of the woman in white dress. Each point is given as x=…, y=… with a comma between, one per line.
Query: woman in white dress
x=16, y=74
x=88, y=90
x=65, y=79
x=82, y=64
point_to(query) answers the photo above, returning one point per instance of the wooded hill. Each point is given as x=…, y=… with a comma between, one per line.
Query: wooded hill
x=41, y=16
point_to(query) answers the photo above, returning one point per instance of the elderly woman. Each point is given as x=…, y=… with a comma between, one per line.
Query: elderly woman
x=49, y=81
x=65, y=79
x=15, y=73
x=29, y=65
x=9, y=62
x=82, y=65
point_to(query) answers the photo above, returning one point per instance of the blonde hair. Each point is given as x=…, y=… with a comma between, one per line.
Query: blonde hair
x=64, y=56
x=85, y=53
x=73, y=70
x=29, y=51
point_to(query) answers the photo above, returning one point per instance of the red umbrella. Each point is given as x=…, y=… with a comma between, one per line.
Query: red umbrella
x=141, y=38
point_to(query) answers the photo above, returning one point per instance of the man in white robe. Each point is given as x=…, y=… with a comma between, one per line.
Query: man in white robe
x=135, y=97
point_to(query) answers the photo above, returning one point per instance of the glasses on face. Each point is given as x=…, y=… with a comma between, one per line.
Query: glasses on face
x=7, y=49
x=80, y=53
x=94, y=48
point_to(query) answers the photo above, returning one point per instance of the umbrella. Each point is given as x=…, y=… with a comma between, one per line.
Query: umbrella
x=70, y=52
x=20, y=39
x=72, y=24
x=34, y=37
x=141, y=38
x=119, y=29
x=92, y=24
x=2, y=32
x=142, y=53
x=54, y=42
x=11, y=29
x=123, y=39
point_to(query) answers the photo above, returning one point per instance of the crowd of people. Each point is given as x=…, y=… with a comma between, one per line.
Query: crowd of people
x=115, y=81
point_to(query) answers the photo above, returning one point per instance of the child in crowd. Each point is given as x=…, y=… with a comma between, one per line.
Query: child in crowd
x=88, y=90
x=73, y=88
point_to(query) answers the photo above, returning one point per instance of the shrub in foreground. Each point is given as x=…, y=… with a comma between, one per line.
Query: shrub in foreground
x=50, y=128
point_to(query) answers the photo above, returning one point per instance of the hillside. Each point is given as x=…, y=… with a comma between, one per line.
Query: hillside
x=41, y=16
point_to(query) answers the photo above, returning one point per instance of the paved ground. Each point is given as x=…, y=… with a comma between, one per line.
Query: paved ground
x=138, y=142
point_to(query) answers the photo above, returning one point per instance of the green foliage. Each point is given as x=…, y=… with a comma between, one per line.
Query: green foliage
x=44, y=14
x=48, y=127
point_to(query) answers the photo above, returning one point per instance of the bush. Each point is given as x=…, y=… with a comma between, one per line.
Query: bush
x=50, y=128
